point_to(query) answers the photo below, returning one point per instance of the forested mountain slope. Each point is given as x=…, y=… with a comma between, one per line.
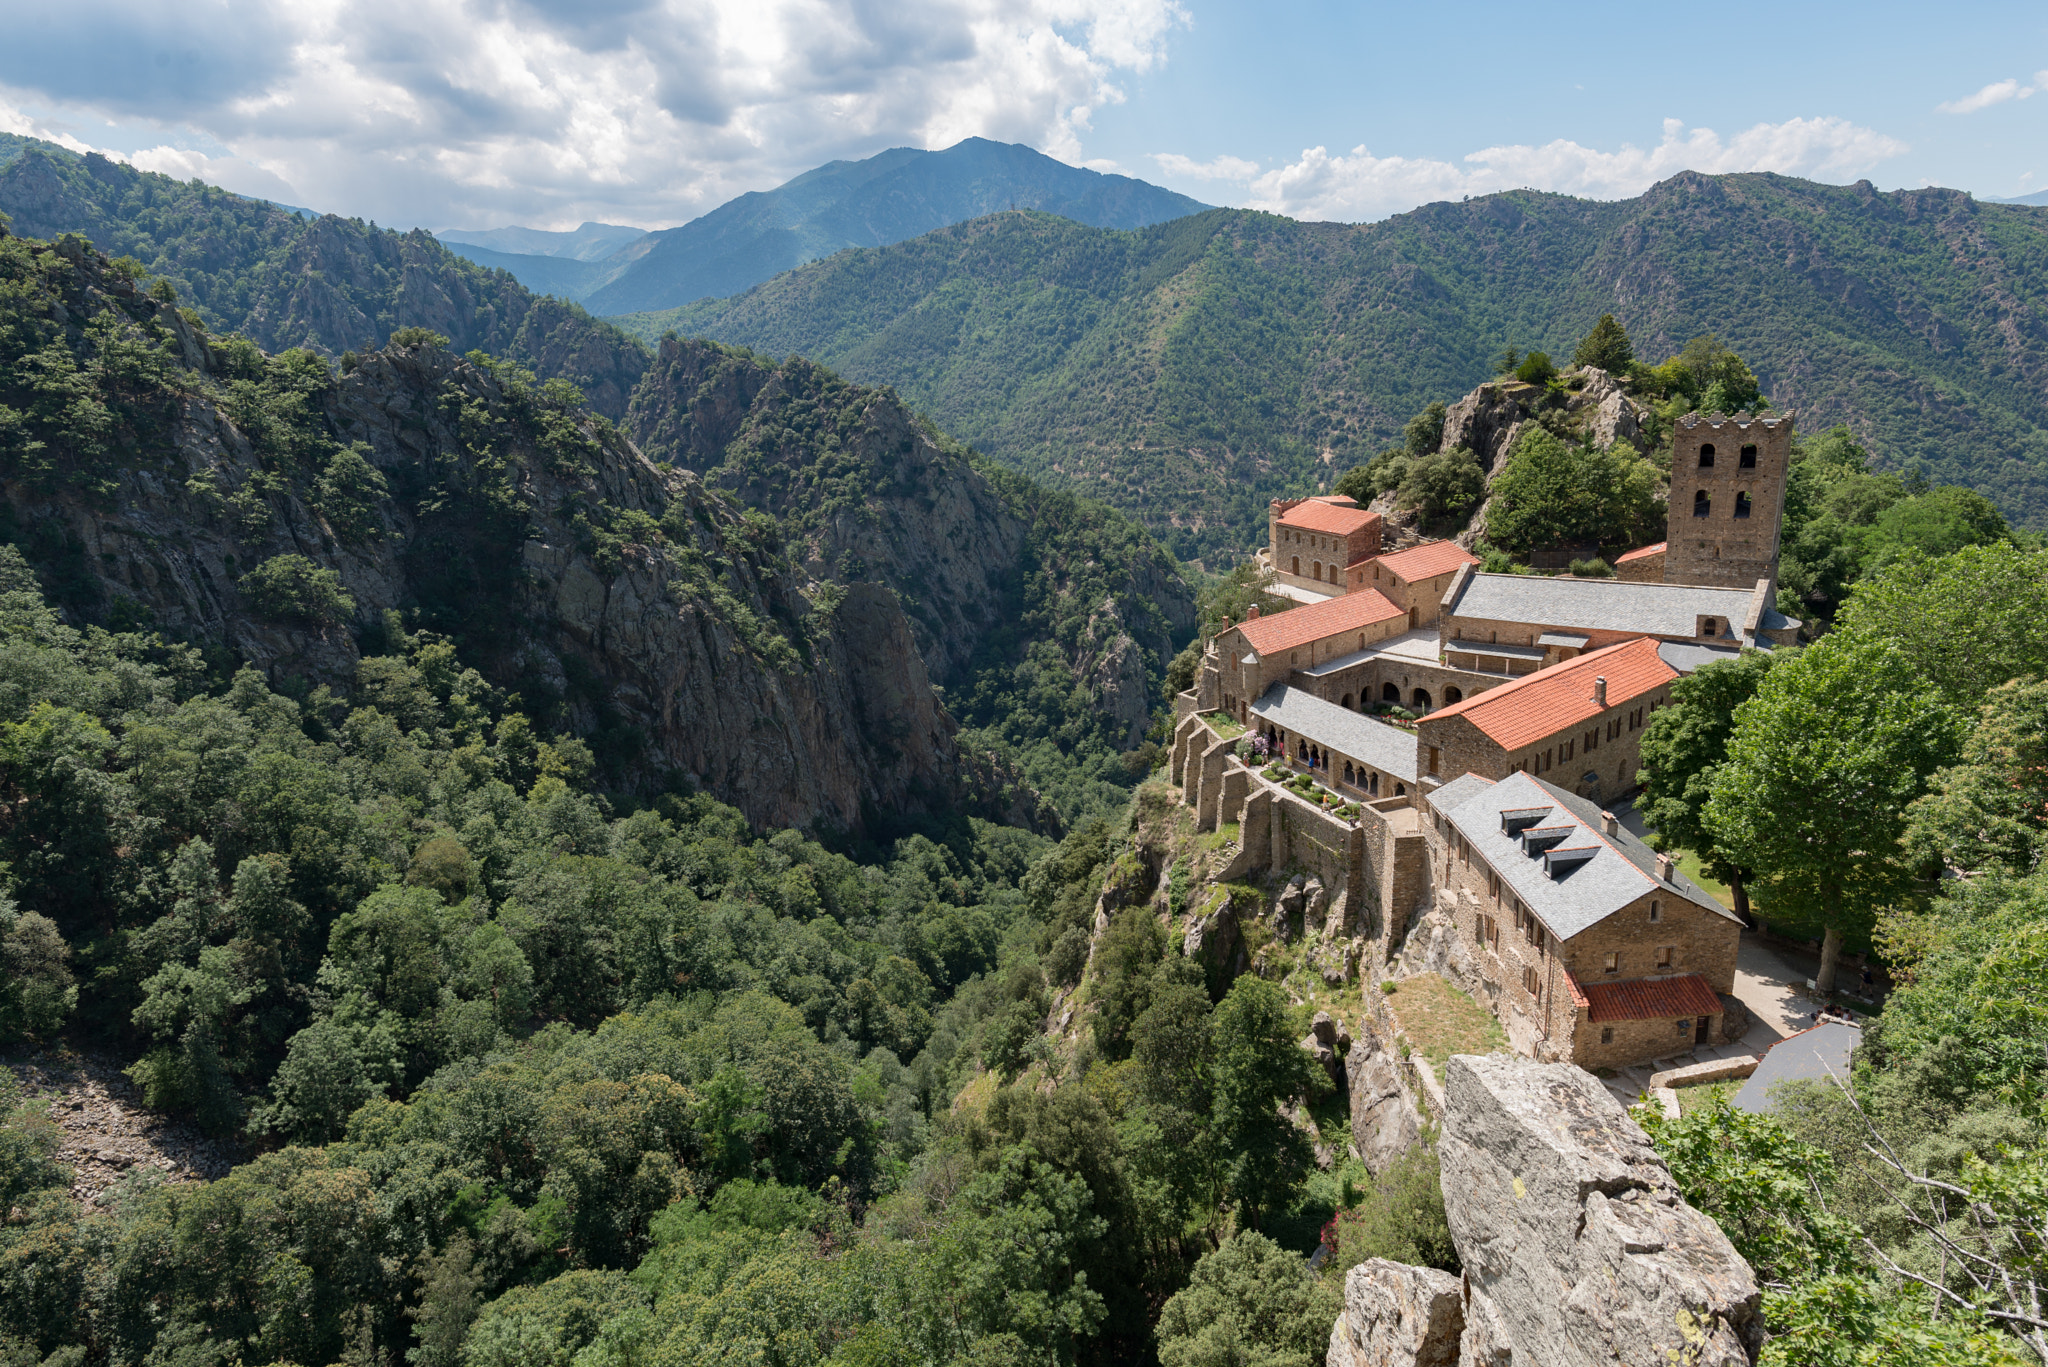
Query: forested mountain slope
x=889, y=197
x=329, y=283
x=1189, y=371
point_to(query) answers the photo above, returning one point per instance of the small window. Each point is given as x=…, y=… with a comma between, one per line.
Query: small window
x=1532, y=984
x=1614, y=963
x=1702, y=505
x=1707, y=456
x=1742, y=505
x=1747, y=460
x=1656, y=912
x=1433, y=752
x=1607, y=1034
x=1664, y=953
x=1706, y=626
x=1684, y=1025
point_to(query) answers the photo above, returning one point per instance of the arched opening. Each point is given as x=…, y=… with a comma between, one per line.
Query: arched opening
x=1350, y=777
x=1707, y=626
x=1701, y=504
x=1420, y=700
x=1373, y=786
x=1297, y=565
x=1742, y=505
x=1346, y=704
x=1316, y=571
x=1400, y=790
x=1453, y=694
x=1301, y=750
x=1747, y=459
x=1390, y=693
x=1707, y=456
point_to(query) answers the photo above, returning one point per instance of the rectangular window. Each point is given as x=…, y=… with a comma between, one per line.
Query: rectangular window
x=1685, y=1025
x=1493, y=885
x=1607, y=1034
x=1614, y=963
x=1593, y=739
x=1664, y=955
x=1532, y=984
x=1432, y=758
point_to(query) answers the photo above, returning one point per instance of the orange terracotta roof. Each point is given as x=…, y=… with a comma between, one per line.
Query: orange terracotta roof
x=1650, y=999
x=1299, y=626
x=1546, y=702
x=1639, y=552
x=1327, y=518
x=1428, y=561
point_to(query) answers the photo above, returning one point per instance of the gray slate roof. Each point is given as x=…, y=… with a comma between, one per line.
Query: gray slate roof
x=1298, y=712
x=1606, y=604
x=1806, y=1057
x=1686, y=656
x=1494, y=648
x=1575, y=896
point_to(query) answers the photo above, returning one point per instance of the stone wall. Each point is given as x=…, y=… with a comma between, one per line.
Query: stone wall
x=1609, y=746
x=1721, y=548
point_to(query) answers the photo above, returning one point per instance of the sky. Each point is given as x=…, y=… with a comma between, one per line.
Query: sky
x=547, y=113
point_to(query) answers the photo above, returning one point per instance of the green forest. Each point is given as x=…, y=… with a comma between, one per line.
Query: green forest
x=1190, y=371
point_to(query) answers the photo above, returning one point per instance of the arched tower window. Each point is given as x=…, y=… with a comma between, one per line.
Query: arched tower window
x=1742, y=505
x=1747, y=460
x=1701, y=504
x=1707, y=456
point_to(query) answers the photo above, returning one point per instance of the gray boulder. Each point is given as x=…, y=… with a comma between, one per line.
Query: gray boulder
x=1398, y=1316
x=1572, y=1233
x=1385, y=1121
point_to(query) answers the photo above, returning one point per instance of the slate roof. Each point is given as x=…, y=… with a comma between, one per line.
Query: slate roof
x=1495, y=648
x=1649, y=999
x=1686, y=656
x=1568, y=895
x=1327, y=518
x=1805, y=1057
x=1639, y=552
x=1427, y=561
x=1301, y=713
x=1606, y=604
x=1314, y=621
x=1542, y=704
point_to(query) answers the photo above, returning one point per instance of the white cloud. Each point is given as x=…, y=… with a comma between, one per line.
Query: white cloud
x=1358, y=186
x=1998, y=92
x=230, y=173
x=1217, y=168
x=548, y=112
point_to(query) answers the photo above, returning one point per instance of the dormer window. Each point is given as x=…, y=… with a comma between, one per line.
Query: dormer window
x=1747, y=460
x=1707, y=456
x=1706, y=626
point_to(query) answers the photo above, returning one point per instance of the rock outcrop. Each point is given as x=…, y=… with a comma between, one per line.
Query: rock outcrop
x=1577, y=1247
x=1386, y=1117
x=1394, y=1313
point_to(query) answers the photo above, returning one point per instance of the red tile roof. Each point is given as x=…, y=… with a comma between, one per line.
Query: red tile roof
x=1327, y=518
x=1546, y=702
x=1639, y=552
x=1428, y=561
x=1299, y=626
x=1649, y=999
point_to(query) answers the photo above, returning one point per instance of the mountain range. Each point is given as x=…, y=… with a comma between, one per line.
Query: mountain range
x=890, y=197
x=1189, y=371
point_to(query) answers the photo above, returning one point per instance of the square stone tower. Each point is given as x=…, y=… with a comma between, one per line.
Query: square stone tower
x=1727, y=499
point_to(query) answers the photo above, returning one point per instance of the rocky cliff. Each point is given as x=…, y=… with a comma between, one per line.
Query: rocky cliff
x=867, y=492
x=621, y=601
x=1576, y=1244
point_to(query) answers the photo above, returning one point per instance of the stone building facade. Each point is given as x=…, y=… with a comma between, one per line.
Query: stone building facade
x=1414, y=579
x=1312, y=542
x=1587, y=944
x=1358, y=757
x=1245, y=659
x=1555, y=619
x=1578, y=724
x=1727, y=506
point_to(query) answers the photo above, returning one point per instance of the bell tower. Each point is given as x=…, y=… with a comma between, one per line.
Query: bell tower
x=1727, y=499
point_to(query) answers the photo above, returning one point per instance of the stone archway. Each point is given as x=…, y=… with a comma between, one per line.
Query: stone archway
x=1452, y=693
x=1390, y=693
x=1419, y=700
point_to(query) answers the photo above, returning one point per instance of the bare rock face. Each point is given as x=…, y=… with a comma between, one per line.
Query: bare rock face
x=1398, y=1316
x=1385, y=1120
x=1321, y=1043
x=1574, y=1238
x=1485, y=422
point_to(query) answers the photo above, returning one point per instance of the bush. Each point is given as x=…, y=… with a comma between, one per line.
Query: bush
x=408, y=337
x=1444, y=483
x=37, y=991
x=1536, y=368
x=1551, y=494
x=1595, y=568
x=1250, y=1302
x=293, y=588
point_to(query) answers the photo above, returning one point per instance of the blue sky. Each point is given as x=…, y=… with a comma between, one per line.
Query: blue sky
x=476, y=113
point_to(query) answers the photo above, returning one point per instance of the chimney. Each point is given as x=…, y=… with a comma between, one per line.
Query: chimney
x=1664, y=867
x=1609, y=824
x=1600, y=691
x=1252, y=613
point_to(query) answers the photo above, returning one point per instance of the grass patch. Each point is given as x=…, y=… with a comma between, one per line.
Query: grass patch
x=1224, y=725
x=1689, y=865
x=1439, y=1020
x=1701, y=1095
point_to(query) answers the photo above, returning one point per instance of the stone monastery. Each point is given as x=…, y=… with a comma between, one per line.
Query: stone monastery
x=1468, y=833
